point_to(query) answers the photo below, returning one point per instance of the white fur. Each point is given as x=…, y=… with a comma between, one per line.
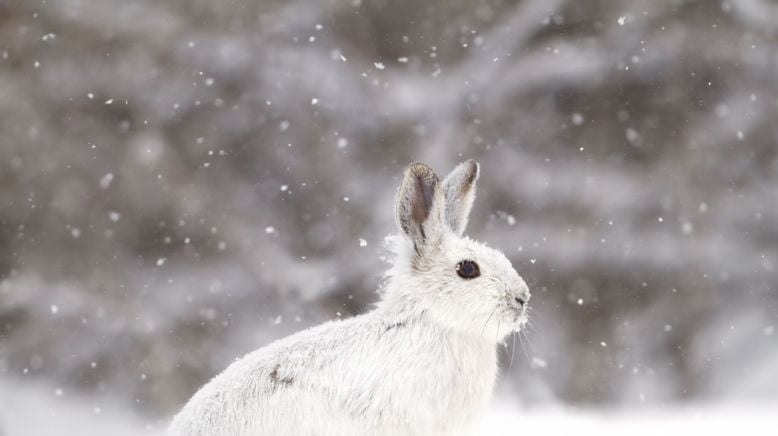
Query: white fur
x=422, y=363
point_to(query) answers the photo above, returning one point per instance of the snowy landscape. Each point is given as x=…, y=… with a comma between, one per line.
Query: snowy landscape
x=182, y=182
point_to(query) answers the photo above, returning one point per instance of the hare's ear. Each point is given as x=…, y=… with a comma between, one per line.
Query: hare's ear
x=459, y=190
x=419, y=207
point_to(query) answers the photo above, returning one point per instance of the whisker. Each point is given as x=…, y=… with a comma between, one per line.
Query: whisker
x=513, y=351
x=529, y=341
x=529, y=344
x=526, y=353
x=527, y=322
x=487, y=321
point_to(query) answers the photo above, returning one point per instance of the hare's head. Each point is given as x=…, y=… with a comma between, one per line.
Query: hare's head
x=460, y=283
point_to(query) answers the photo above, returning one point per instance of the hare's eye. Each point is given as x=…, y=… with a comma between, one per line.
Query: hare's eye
x=467, y=269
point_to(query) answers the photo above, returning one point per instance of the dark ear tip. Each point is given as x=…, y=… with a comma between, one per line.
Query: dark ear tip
x=419, y=167
x=421, y=171
x=473, y=169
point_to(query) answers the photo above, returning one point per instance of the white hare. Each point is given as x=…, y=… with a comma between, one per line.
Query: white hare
x=423, y=362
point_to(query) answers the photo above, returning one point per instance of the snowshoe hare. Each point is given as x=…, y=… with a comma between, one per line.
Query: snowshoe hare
x=423, y=362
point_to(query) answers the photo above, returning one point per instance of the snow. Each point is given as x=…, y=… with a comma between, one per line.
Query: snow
x=105, y=181
x=709, y=420
x=590, y=124
x=36, y=409
x=631, y=135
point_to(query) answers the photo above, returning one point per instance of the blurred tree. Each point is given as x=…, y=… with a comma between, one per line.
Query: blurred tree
x=183, y=181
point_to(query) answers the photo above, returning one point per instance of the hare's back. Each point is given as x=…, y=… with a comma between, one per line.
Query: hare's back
x=269, y=387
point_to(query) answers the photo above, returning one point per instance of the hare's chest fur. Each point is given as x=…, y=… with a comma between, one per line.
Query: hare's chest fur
x=378, y=378
x=434, y=384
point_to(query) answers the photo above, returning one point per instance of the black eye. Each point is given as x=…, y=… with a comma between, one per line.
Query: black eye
x=467, y=269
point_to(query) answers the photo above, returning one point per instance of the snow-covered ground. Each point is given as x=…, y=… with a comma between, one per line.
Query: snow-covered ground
x=710, y=420
x=34, y=409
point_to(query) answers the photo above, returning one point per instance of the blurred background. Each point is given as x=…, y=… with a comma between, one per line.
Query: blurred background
x=182, y=182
